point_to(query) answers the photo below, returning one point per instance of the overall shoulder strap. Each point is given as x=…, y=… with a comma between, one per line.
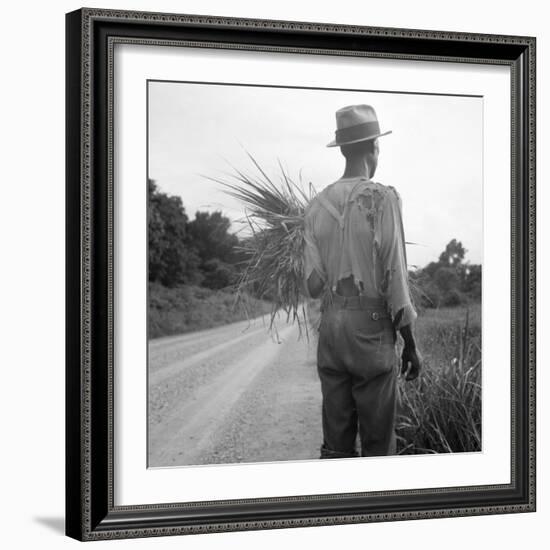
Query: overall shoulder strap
x=329, y=206
x=331, y=209
x=340, y=218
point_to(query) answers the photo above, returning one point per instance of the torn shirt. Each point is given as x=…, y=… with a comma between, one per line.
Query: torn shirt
x=354, y=227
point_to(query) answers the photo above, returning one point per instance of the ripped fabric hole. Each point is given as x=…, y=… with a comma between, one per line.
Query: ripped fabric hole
x=370, y=201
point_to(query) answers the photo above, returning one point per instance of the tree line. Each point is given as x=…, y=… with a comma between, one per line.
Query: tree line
x=182, y=251
x=203, y=252
x=448, y=282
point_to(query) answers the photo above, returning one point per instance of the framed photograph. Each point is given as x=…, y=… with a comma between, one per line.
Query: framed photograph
x=300, y=274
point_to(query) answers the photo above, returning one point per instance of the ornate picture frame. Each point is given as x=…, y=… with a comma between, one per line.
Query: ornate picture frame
x=91, y=511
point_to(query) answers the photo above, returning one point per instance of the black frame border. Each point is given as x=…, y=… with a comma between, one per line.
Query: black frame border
x=90, y=38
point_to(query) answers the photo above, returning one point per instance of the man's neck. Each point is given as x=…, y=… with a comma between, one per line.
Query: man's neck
x=357, y=168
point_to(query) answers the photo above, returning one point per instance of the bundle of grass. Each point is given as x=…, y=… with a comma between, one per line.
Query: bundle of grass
x=274, y=250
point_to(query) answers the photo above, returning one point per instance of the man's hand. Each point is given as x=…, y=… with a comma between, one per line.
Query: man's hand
x=411, y=360
x=411, y=363
x=315, y=284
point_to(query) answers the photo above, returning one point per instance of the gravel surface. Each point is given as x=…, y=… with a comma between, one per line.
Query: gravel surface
x=233, y=394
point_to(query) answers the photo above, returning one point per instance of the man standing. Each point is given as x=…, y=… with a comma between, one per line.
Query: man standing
x=355, y=261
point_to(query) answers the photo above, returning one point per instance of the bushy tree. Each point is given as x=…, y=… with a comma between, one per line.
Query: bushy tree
x=218, y=275
x=453, y=254
x=183, y=251
x=446, y=278
x=449, y=281
x=471, y=280
x=209, y=232
x=172, y=258
x=216, y=247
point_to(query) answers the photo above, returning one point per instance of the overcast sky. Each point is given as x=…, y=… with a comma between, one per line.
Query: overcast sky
x=433, y=157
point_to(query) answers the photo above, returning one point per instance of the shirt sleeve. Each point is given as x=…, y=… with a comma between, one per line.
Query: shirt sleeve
x=312, y=257
x=395, y=282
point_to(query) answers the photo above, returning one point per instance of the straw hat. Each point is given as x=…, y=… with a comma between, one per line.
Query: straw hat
x=356, y=123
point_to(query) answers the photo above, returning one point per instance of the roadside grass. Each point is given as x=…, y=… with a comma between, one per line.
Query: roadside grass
x=188, y=308
x=440, y=412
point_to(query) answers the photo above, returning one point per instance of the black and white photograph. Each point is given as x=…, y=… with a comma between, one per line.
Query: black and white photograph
x=314, y=279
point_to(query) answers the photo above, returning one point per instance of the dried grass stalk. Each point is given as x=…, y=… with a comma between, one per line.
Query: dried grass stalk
x=274, y=250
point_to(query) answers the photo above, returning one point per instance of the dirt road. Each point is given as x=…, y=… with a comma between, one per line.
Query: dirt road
x=233, y=394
